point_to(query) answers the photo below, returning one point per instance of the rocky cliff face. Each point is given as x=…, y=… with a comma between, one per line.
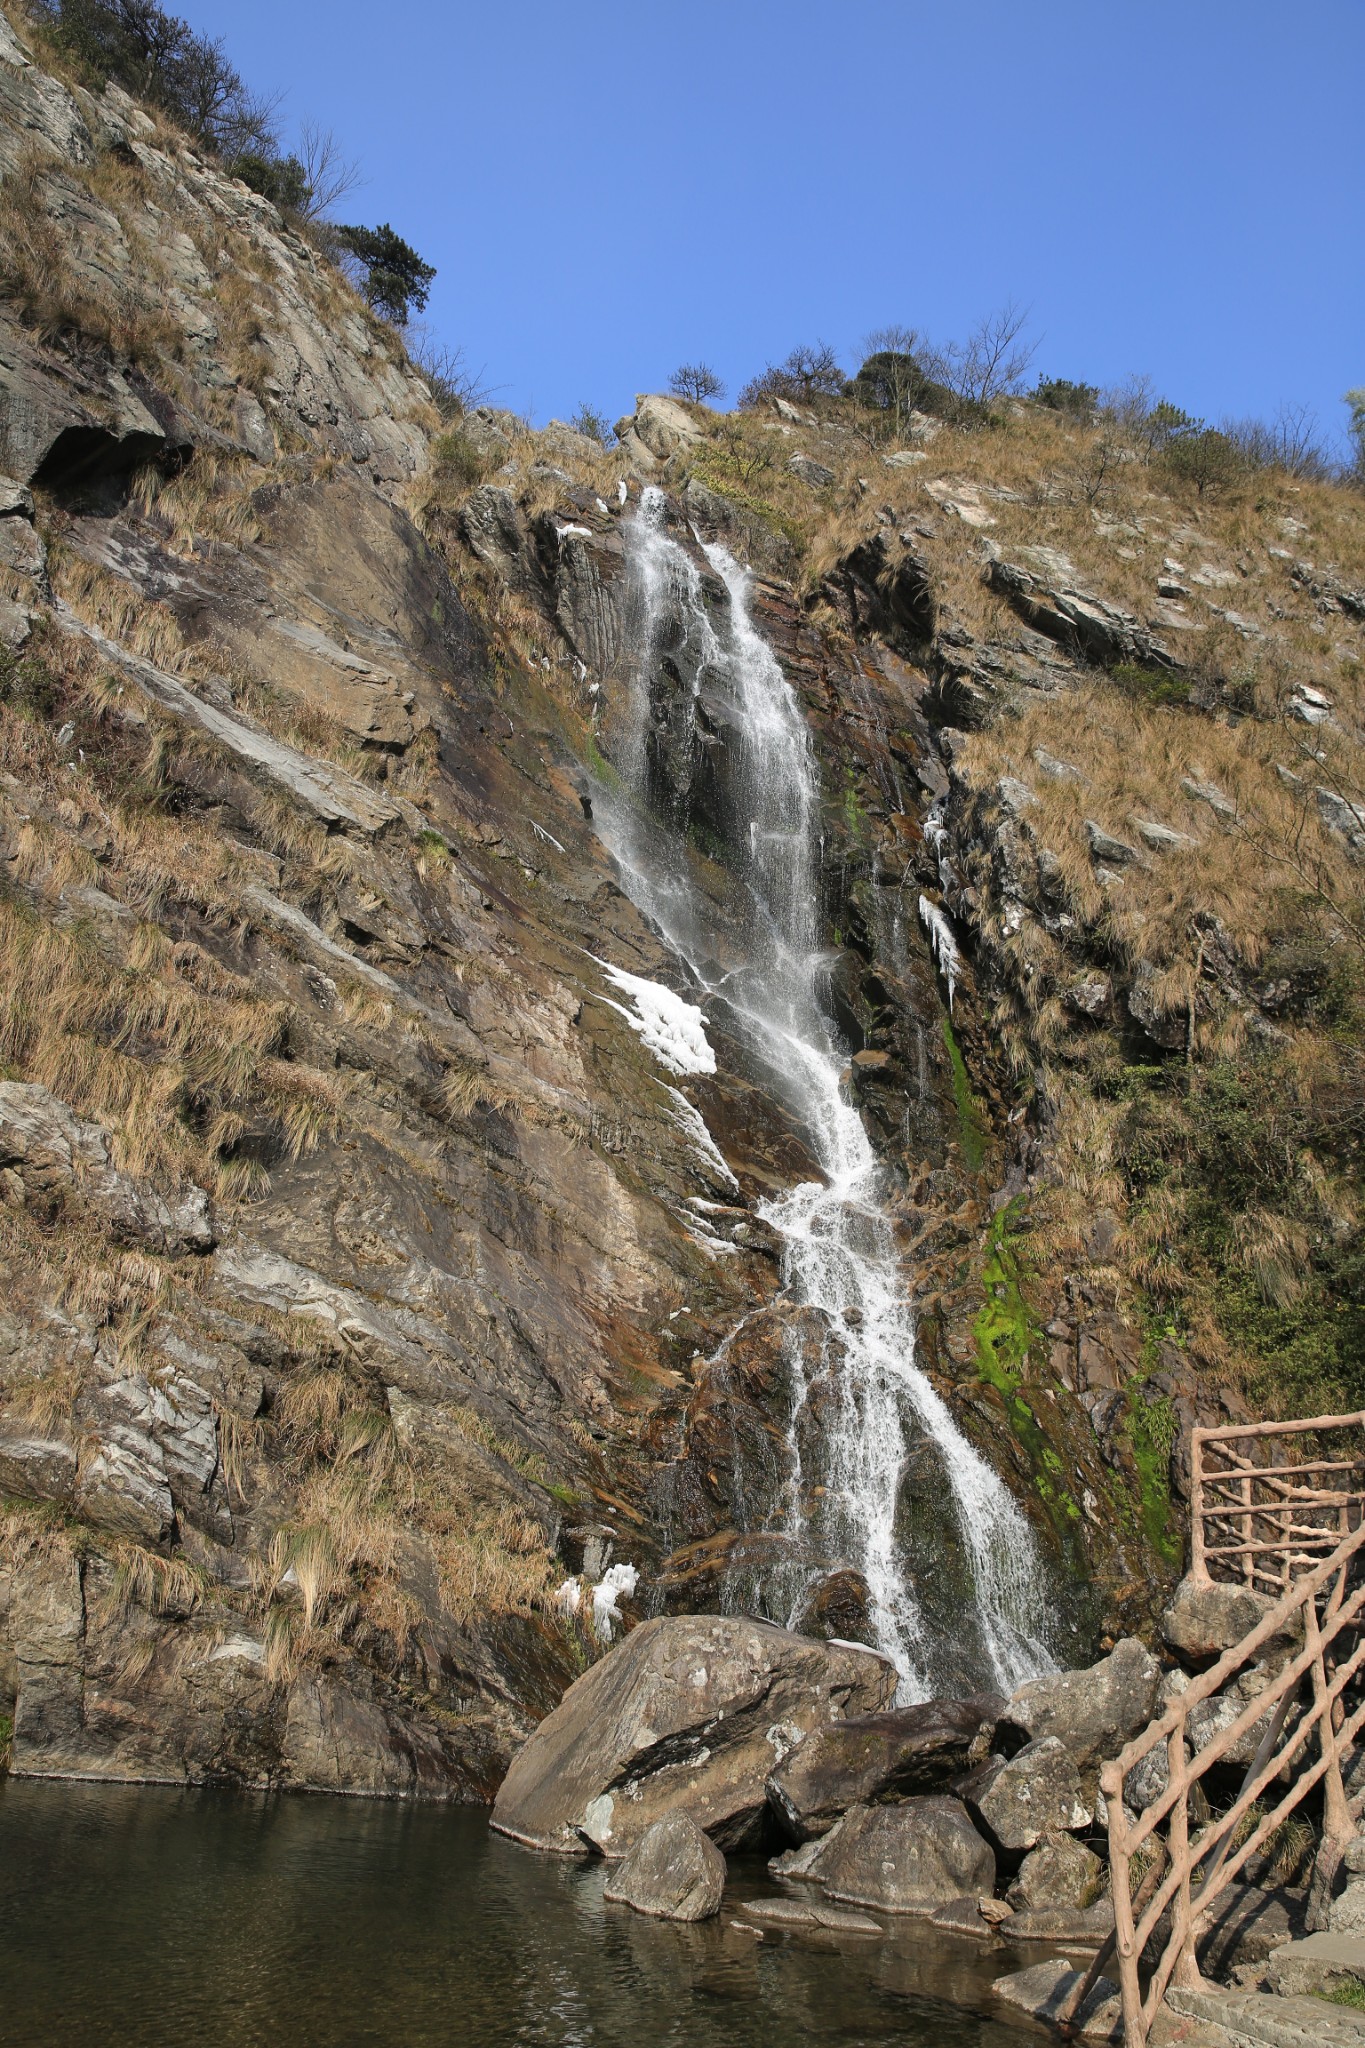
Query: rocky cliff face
x=364, y=1277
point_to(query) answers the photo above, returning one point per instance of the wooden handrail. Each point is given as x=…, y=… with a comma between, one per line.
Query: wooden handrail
x=1260, y=1524
x=1319, y=1606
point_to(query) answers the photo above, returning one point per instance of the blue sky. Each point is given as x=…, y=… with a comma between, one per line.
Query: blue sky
x=609, y=189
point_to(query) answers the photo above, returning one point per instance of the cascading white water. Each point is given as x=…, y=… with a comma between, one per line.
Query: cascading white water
x=840, y=1254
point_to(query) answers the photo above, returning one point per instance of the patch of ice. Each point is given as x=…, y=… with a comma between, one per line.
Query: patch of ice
x=673, y=1030
x=613, y=1585
x=690, y=1120
x=570, y=1596
x=944, y=944
x=570, y=532
x=622, y=491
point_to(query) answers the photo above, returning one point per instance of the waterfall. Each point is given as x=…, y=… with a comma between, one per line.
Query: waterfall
x=839, y=1250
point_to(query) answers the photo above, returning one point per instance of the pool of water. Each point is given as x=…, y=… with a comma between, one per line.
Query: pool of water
x=133, y=1915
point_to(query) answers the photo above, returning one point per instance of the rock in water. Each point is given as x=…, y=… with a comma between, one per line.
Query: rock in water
x=875, y=1758
x=838, y=1605
x=689, y=1712
x=909, y=1858
x=674, y=1872
x=1093, y=1712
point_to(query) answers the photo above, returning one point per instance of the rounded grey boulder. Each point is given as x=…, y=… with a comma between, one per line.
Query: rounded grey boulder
x=674, y=1872
x=1060, y=1872
x=1035, y=1793
x=1203, y=1621
x=909, y=1858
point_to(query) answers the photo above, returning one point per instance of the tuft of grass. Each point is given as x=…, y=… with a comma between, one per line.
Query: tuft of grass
x=168, y=1586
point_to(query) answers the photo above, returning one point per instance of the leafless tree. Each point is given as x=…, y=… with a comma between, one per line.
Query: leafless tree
x=697, y=381
x=992, y=362
x=1290, y=441
x=328, y=174
x=455, y=388
x=806, y=373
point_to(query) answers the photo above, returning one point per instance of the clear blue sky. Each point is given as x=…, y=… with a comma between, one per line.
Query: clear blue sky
x=607, y=189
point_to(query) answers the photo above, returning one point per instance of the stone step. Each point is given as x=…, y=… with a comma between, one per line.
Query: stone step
x=1260, y=2019
x=1318, y=1964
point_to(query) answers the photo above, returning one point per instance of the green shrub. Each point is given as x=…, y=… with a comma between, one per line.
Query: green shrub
x=1149, y=685
x=1059, y=394
x=455, y=459
x=280, y=179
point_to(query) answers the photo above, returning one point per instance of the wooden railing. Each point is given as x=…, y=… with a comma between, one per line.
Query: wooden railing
x=1264, y=1524
x=1314, y=1694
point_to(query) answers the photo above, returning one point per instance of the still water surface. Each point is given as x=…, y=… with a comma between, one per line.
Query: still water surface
x=141, y=1918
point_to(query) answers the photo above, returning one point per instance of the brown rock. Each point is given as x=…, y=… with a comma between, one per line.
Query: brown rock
x=674, y=1872
x=691, y=1712
x=877, y=1758
x=909, y=1858
x=837, y=1606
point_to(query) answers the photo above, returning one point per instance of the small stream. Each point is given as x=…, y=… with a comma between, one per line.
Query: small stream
x=137, y=1917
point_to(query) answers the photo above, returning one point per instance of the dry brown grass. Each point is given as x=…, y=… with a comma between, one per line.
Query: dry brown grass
x=210, y=498
x=1135, y=760
x=56, y=298
x=489, y=1563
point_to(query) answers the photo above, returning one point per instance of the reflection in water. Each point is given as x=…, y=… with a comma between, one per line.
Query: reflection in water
x=140, y=1918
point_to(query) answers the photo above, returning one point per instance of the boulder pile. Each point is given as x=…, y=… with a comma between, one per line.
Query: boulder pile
x=703, y=1735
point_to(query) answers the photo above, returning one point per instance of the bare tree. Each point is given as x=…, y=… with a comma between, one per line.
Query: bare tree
x=1290, y=442
x=806, y=373
x=697, y=381
x=992, y=362
x=455, y=388
x=1355, y=427
x=328, y=175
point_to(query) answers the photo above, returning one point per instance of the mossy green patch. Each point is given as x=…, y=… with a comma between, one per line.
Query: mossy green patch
x=1008, y=1338
x=600, y=765
x=1152, y=1427
x=973, y=1132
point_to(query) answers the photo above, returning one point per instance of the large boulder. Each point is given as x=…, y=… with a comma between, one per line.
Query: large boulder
x=692, y=1711
x=1034, y=1793
x=658, y=428
x=875, y=1758
x=1206, y=1617
x=1094, y=1712
x=674, y=1872
x=910, y=1858
x=1060, y=1872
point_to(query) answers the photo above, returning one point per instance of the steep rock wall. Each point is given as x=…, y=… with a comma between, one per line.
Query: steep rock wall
x=304, y=915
